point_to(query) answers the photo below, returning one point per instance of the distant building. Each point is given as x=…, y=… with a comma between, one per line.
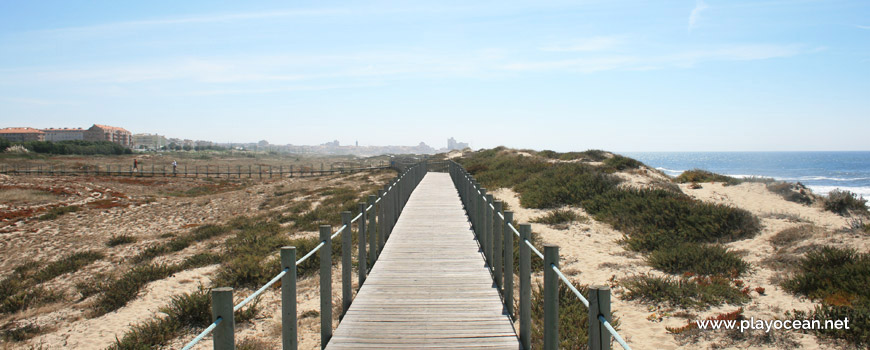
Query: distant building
x=64, y=134
x=453, y=145
x=148, y=141
x=109, y=133
x=22, y=134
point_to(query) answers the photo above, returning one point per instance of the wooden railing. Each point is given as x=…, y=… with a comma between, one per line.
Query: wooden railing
x=152, y=170
x=374, y=222
x=495, y=232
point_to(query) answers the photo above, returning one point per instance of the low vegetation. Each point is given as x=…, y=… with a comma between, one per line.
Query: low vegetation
x=678, y=232
x=698, y=259
x=698, y=292
x=248, y=261
x=838, y=279
x=845, y=202
x=560, y=218
x=21, y=289
x=792, y=235
x=792, y=192
x=56, y=212
x=121, y=239
x=699, y=176
x=189, y=310
x=75, y=147
x=593, y=155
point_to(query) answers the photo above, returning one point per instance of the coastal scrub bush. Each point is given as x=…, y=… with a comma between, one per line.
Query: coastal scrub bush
x=188, y=310
x=685, y=292
x=652, y=219
x=792, y=235
x=619, y=163
x=56, y=212
x=698, y=175
x=838, y=279
x=120, y=291
x=797, y=193
x=559, y=217
x=698, y=259
x=66, y=264
x=117, y=240
x=842, y=202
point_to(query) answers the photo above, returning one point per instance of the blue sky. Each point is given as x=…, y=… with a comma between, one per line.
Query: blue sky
x=572, y=75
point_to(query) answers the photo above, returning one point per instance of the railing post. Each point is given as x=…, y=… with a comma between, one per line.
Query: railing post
x=382, y=214
x=481, y=219
x=599, y=304
x=525, y=286
x=361, y=242
x=509, y=263
x=551, y=297
x=325, y=286
x=488, y=217
x=222, y=306
x=289, y=338
x=497, y=250
x=346, y=263
x=372, y=231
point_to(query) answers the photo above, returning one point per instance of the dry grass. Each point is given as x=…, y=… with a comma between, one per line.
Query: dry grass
x=26, y=196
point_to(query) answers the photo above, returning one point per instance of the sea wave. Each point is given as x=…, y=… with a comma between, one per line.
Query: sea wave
x=826, y=178
x=862, y=191
x=670, y=172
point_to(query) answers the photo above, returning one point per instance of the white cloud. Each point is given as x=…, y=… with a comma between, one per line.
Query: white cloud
x=651, y=62
x=591, y=44
x=700, y=6
x=863, y=27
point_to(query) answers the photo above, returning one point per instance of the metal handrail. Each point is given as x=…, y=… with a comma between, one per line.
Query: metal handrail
x=277, y=277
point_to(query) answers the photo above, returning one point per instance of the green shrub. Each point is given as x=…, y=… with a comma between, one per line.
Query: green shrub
x=698, y=175
x=842, y=202
x=797, y=193
x=684, y=292
x=117, y=240
x=120, y=291
x=67, y=264
x=650, y=218
x=21, y=333
x=27, y=298
x=620, y=163
x=76, y=147
x=792, y=235
x=559, y=217
x=838, y=279
x=698, y=259
x=657, y=218
x=573, y=318
x=189, y=310
x=55, y=212
x=830, y=270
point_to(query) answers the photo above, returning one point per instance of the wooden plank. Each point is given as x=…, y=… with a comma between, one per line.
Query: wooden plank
x=430, y=287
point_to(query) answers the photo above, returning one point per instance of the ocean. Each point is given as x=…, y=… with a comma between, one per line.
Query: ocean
x=820, y=171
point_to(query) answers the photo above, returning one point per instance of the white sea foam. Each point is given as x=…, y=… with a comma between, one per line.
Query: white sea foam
x=670, y=172
x=863, y=191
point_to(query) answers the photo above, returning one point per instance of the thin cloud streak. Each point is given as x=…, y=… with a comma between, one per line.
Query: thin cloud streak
x=695, y=15
x=681, y=59
x=592, y=44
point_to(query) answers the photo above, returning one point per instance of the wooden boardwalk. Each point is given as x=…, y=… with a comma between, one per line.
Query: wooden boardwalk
x=430, y=287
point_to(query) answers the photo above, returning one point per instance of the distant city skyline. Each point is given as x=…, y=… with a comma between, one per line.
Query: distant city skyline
x=623, y=76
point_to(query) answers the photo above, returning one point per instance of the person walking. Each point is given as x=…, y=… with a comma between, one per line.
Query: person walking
x=174, y=166
x=135, y=165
